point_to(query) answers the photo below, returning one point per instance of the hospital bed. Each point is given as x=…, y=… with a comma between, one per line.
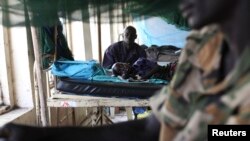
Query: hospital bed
x=87, y=93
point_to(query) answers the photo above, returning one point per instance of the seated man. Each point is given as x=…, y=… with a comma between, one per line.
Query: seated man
x=211, y=84
x=126, y=51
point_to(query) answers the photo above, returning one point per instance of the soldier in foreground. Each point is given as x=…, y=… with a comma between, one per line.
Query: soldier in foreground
x=211, y=84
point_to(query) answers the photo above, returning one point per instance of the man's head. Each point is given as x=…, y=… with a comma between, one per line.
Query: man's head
x=129, y=35
x=202, y=12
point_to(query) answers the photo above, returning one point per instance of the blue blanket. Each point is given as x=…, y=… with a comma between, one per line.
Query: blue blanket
x=77, y=69
x=91, y=70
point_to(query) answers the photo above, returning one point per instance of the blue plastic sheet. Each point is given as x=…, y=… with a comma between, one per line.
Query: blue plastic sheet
x=156, y=31
x=77, y=69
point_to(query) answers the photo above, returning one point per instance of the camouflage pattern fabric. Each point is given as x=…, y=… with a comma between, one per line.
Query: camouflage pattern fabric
x=198, y=95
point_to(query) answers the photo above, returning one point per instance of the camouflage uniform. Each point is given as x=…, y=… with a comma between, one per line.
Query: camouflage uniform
x=197, y=96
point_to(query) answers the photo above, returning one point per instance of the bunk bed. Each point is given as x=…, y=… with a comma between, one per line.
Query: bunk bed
x=88, y=93
x=70, y=92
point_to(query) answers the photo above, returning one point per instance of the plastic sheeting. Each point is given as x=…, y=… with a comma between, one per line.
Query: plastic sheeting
x=156, y=31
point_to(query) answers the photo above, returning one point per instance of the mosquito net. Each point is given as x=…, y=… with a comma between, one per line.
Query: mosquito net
x=47, y=12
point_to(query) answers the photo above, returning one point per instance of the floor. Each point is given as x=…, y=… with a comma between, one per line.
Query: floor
x=119, y=117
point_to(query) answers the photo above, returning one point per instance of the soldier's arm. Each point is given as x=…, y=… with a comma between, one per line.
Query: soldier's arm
x=138, y=130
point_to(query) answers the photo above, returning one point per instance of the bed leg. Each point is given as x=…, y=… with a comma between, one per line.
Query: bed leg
x=129, y=113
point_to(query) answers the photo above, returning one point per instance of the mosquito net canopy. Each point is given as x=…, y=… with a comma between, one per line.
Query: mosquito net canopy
x=47, y=12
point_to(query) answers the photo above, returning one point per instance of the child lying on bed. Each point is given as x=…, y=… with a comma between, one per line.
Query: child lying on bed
x=143, y=69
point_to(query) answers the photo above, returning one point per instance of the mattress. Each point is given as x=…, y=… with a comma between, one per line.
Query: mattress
x=107, y=89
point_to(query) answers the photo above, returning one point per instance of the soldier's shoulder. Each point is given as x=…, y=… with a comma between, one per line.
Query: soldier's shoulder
x=203, y=33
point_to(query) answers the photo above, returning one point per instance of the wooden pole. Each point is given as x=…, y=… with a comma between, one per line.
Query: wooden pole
x=41, y=94
x=86, y=37
x=99, y=34
x=41, y=100
x=123, y=15
x=36, y=92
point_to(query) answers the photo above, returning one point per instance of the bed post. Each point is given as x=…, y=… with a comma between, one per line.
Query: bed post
x=38, y=72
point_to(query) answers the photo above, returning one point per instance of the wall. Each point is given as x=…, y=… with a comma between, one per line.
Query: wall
x=21, y=67
x=16, y=78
